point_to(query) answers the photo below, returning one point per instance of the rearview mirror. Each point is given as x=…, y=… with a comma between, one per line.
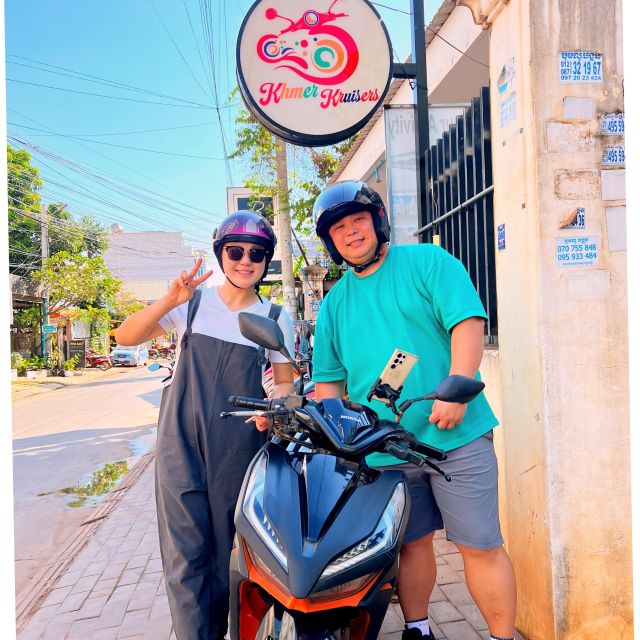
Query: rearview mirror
x=262, y=331
x=154, y=367
x=457, y=388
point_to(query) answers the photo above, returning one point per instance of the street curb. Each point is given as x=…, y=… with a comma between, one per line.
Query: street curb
x=29, y=601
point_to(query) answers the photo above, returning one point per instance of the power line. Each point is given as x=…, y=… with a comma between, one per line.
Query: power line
x=123, y=146
x=102, y=95
x=117, y=133
x=435, y=33
x=177, y=48
x=78, y=75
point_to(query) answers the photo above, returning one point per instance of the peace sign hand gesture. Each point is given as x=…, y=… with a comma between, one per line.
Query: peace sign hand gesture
x=182, y=288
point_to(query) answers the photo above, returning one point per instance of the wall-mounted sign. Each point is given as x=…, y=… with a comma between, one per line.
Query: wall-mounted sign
x=48, y=328
x=313, y=71
x=575, y=220
x=613, y=154
x=580, y=66
x=508, y=110
x=612, y=124
x=441, y=117
x=501, y=237
x=402, y=183
x=507, y=76
x=578, y=251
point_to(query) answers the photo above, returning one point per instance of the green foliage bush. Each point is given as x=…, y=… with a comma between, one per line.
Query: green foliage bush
x=16, y=360
x=71, y=363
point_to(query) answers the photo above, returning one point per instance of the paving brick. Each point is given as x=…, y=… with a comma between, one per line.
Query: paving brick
x=73, y=602
x=138, y=561
x=460, y=630
x=444, y=612
x=457, y=593
x=113, y=571
x=437, y=595
x=33, y=631
x=112, y=615
x=57, y=596
x=105, y=634
x=454, y=560
x=92, y=607
x=130, y=576
x=446, y=575
x=82, y=629
x=96, y=568
x=473, y=616
x=86, y=583
x=134, y=623
x=69, y=579
x=443, y=546
x=104, y=587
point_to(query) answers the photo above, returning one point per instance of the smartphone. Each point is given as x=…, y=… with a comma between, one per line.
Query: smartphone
x=396, y=370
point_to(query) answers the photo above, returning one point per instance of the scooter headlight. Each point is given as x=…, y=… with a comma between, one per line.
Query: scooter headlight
x=381, y=539
x=253, y=509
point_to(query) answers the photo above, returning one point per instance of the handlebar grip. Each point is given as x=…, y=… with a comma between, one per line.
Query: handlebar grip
x=249, y=403
x=432, y=452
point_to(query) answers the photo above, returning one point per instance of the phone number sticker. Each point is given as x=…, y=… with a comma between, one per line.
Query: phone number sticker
x=581, y=251
x=612, y=124
x=613, y=154
x=580, y=66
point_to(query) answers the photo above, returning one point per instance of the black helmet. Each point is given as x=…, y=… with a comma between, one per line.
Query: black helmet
x=245, y=226
x=341, y=199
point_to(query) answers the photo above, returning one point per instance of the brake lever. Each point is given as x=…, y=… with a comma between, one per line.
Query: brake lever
x=244, y=414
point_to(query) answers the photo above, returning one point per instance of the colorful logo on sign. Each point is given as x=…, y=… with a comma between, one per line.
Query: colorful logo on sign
x=313, y=49
x=313, y=71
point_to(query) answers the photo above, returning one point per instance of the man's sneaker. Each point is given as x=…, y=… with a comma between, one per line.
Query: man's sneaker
x=416, y=634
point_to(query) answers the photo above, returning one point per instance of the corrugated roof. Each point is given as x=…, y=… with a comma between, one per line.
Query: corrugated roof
x=430, y=33
x=147, y=290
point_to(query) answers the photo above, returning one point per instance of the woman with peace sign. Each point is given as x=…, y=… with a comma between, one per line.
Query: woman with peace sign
x=200, y=459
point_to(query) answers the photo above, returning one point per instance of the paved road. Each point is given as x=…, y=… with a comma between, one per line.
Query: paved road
x=59, y=439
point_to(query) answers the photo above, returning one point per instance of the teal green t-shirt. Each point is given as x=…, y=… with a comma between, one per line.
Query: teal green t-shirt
x=412, y=302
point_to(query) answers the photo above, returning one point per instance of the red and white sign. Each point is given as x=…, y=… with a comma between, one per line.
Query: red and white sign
x=313, y=71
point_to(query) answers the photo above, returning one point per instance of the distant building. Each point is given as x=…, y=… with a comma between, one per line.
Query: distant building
x=147, y=262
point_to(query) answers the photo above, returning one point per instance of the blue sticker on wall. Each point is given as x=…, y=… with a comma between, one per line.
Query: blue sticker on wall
x=501, y=237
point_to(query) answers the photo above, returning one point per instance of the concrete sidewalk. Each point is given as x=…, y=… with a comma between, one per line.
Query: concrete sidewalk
x=108, y=583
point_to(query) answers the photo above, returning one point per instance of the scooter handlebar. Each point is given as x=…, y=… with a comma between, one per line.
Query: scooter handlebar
x=249, y=403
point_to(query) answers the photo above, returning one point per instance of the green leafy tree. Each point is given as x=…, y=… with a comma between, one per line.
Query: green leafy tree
x=76, y=281
x=23, y=186
x=125, y=305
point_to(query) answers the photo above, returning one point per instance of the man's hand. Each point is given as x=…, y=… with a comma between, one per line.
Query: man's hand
x=447, y=415
x=261, y=423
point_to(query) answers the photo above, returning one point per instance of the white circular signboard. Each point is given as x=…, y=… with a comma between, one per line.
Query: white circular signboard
x=313, y=71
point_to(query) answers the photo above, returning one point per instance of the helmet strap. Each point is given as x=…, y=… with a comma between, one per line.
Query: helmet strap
x=359, y=268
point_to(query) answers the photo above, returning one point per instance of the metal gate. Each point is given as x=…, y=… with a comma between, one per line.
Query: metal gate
x=460, y=201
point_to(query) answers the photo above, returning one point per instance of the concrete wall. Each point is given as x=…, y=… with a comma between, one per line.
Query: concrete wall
x=563, y=333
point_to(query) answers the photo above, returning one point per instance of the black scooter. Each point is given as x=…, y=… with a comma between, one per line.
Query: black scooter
x=318, y=531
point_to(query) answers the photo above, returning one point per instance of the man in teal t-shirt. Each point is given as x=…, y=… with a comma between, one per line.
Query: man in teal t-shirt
x=418, y=299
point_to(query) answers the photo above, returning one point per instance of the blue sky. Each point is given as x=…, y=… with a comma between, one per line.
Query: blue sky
x=82, y=144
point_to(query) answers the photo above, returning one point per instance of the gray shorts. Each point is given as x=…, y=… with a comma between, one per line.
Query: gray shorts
x=467, y=506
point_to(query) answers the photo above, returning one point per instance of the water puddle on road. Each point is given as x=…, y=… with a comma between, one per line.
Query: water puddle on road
x=96, y=486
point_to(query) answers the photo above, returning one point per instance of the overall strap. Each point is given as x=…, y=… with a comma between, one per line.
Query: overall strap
x=274, y=314
x=194, y=303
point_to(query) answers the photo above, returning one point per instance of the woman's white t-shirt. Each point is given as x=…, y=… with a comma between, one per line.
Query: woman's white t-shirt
x=215, y=319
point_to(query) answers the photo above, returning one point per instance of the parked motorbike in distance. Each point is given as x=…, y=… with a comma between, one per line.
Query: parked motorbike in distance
x=319, y=531
x=102, y=361
x=157, y=351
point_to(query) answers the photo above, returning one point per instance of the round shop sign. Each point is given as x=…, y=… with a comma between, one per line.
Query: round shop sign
x=313, y=71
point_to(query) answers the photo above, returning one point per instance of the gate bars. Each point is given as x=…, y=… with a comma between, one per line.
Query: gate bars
x=460, y=202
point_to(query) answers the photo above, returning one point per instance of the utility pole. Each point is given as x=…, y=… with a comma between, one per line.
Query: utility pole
x=284, y=230
x=44, y=250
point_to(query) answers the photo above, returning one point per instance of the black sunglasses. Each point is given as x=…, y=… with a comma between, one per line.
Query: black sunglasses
x=235, y=254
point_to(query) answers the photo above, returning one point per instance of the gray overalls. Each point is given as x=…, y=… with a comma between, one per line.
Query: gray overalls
x=200, y=464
